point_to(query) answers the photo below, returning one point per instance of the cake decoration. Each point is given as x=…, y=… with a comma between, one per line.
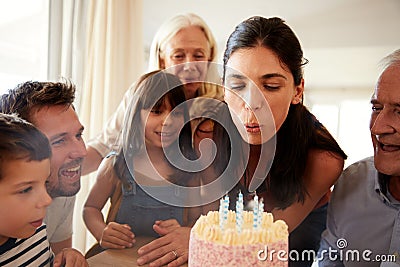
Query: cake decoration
x=241, y=238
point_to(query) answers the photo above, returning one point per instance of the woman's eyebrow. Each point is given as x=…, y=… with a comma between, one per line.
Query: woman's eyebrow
x=265, y=76
x=237, y=76
x=273, y=75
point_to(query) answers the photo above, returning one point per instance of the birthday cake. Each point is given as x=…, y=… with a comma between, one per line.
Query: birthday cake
x=245, y=238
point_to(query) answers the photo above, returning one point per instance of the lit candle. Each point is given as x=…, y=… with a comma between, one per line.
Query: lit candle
x=239, y=212
x=225, y=209
x=255, y=212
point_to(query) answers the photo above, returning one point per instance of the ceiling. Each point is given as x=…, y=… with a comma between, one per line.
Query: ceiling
x=343, y=39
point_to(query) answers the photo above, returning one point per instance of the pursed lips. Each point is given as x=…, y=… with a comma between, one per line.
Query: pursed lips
x=253, y=127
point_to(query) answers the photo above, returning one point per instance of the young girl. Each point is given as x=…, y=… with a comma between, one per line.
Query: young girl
x=264, y=79
x=150, y=159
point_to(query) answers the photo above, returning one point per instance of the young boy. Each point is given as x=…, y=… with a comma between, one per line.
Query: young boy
x=24, y=168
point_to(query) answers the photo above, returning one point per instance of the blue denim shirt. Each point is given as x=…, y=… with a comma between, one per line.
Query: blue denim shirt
x=140, y=210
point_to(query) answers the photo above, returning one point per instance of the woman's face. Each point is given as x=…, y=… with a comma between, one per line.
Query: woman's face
x=259, y=91
x=188, y=53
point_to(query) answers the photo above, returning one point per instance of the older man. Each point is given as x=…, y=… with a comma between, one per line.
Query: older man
x=363, y=227
x=48, y=105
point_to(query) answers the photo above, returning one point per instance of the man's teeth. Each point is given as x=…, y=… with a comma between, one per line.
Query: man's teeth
x=75, y=169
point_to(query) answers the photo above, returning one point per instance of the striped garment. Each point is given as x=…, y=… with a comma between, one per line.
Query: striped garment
x=33, y=251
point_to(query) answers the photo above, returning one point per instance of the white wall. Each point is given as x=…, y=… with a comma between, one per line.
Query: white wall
x=343, y=40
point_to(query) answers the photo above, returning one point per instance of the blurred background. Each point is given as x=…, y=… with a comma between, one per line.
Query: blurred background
x=102, y=46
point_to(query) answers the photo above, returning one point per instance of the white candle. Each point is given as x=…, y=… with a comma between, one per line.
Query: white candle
x=239, y=212
x=240, y=198
x=225, y=211
x=255, y=212
x=260, y=211
x=237, y=215
x=221, y=211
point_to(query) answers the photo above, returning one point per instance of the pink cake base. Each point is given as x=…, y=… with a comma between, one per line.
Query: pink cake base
x=203, y=254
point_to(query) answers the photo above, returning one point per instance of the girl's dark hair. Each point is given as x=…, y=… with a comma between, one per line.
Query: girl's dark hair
x=151, y=92
x=301, y=131
x=217, y=111
x=20, y=140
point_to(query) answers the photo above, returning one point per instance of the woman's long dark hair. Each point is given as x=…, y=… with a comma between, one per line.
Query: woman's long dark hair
x=151, y=92
x=301, y=131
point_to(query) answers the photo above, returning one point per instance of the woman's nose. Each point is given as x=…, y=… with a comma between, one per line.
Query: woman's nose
x=253, y=98
x=189, y=65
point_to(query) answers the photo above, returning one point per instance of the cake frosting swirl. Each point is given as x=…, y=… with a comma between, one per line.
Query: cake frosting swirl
x=230, y=244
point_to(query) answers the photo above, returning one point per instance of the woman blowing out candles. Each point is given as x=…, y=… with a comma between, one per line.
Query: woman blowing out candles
x=263, y=75
x=285, y=154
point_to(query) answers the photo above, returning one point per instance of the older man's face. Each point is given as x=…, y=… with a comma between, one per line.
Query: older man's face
x=62, y=127
x=385, y=122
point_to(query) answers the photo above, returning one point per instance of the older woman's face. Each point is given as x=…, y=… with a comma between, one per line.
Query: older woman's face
x=260, y=91
x=186, y=55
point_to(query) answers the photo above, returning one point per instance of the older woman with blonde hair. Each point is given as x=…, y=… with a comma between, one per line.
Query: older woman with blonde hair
x=186, y=45
x=169, y=30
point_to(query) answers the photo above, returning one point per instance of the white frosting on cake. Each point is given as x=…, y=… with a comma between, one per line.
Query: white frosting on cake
x=208, y=228
x=230, y=246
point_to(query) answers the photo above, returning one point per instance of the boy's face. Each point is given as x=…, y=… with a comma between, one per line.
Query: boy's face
x=23, y=197
x=64, y=131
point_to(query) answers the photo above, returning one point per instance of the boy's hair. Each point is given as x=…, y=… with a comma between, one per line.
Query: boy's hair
x=20, y=139
x=29, y=97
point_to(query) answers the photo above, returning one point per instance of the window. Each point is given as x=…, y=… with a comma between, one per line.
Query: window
x=346, y=116
x=23, y=42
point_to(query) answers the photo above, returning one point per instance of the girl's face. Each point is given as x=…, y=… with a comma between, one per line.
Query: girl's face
x=259, y=91
x=161, y=126
x=188, y=53
x=204, y=130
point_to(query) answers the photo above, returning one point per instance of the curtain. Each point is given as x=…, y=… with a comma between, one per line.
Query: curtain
x=98, y=44
x=67, y=40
